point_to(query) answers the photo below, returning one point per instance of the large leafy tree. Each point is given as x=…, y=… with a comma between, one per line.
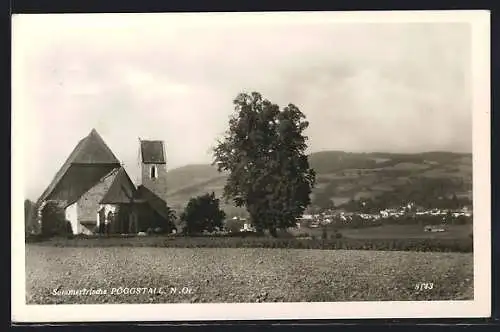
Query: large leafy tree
x=202, y=213
x=264, y=152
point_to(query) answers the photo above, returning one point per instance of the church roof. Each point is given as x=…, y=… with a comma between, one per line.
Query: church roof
x=79, y=179
x=153, y=200
x=93, y=150
x=122, y=189
x=152, y=152
x=90, y=151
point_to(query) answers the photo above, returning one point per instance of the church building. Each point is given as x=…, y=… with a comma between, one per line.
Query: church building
x=97, y=195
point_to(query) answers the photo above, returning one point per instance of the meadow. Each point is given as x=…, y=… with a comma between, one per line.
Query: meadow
x=242, y=275
x=251, y=240
x=390, y=231
x=408, y=232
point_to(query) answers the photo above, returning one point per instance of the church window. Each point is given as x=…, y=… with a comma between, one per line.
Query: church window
x=153, y=172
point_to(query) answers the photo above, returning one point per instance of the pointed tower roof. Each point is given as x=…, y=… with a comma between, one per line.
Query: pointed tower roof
x=152, y=152
x=91, y=150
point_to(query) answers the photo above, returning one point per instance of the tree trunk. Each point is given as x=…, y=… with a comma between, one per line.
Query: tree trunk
x=273, y=232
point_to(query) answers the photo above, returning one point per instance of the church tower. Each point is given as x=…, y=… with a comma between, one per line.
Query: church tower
x=154, y=167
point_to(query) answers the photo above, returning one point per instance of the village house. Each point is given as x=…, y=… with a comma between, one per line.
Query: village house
x=97, y=194
x=248, y=227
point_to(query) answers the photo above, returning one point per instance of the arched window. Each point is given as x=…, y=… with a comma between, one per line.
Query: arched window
x=153, y=174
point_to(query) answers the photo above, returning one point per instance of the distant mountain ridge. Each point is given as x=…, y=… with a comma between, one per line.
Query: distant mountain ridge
x=343, y=176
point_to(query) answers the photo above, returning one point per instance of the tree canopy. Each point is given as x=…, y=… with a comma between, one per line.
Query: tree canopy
x=264, y=152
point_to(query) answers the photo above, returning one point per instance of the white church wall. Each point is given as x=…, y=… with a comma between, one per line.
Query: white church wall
x=71, y=214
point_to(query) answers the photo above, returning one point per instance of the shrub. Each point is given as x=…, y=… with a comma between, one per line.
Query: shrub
x=203, y=213
x=54, y=221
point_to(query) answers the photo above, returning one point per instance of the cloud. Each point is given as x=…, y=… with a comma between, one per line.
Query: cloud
x=363, y=87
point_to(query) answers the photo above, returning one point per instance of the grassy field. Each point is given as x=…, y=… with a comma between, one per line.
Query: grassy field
x=286, y=241
x=413, y=231
x=243, y=275
x=407, y=232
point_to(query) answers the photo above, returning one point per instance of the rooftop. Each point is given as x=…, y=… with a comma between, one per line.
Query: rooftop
x=152, y=152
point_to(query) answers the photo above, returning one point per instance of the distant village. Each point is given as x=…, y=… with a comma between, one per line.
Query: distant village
x=340, y=216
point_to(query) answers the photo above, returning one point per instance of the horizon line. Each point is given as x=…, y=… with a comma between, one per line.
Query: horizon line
x=348, y=152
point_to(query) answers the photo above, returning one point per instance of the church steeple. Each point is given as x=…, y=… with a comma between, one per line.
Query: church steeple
x=153, y=167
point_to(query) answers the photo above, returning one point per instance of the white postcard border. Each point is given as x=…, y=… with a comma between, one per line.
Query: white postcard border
x=479, y=307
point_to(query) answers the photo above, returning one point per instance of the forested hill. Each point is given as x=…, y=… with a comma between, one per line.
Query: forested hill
x=428, y=178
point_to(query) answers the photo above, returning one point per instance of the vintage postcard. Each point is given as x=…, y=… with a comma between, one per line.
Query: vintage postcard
x=250, y=166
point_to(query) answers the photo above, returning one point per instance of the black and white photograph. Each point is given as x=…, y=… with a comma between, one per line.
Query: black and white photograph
x=250, y=165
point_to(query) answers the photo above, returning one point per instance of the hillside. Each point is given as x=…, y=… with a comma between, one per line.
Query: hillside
x=342, y=177
x=190, y=175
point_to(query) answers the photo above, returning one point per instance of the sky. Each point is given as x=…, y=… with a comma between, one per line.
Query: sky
x=363, y=86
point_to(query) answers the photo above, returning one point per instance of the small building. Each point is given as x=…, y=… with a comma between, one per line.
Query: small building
x=307, y=217
x=384, y=213
x=248, y=227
